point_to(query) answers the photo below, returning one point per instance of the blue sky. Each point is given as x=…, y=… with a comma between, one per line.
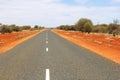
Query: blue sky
x=90, y=3
x=52, y=13
x=86, y=2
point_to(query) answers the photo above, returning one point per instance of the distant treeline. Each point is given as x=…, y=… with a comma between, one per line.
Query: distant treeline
x=14, y=28
x=86, y=25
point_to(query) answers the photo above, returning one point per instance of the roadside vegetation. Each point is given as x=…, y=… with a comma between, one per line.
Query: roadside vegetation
x=86, y=25
x=14, y=28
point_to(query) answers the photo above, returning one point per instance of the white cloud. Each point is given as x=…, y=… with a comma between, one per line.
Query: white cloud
x=53, y=13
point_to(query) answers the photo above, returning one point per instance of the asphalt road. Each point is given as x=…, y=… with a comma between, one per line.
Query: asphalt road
x=50, y=57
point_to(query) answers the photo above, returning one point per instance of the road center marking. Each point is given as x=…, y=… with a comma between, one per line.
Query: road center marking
x=46, y=49
x=46, y=36
x=47, y=74
x=46, y=42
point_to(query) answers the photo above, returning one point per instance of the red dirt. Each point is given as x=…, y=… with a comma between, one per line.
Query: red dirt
x=10, y=40
x=104, y=45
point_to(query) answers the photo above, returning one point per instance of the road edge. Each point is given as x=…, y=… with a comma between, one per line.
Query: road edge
x=17, y=42
x=75, y=42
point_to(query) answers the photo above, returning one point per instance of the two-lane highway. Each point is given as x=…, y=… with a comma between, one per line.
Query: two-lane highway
x=50, y=57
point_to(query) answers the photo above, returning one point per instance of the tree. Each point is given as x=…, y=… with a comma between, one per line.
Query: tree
x=66, y=27
x=88, y=27
x=5, y=29
x=81, y=23
x=71, y=27
x=15, y=28
x=101, y=28
x=36, y=27
x=27, y=27
x=113, y=29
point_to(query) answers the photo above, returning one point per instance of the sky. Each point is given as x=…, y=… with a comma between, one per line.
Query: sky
x=52, y=13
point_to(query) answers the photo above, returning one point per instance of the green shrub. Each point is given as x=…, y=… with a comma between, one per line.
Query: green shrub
x=5, y=29
x=84, y=23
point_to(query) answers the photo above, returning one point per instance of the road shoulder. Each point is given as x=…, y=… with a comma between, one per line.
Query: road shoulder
x=102, y=51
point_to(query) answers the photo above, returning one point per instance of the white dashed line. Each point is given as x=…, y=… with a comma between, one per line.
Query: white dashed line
x=46, y=42
x=47, y=70
x=46, y=49
x=47, y=74
x=46, y=36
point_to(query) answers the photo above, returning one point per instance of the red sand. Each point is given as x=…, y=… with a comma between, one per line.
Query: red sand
x=104, y=45
x=10, y=40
